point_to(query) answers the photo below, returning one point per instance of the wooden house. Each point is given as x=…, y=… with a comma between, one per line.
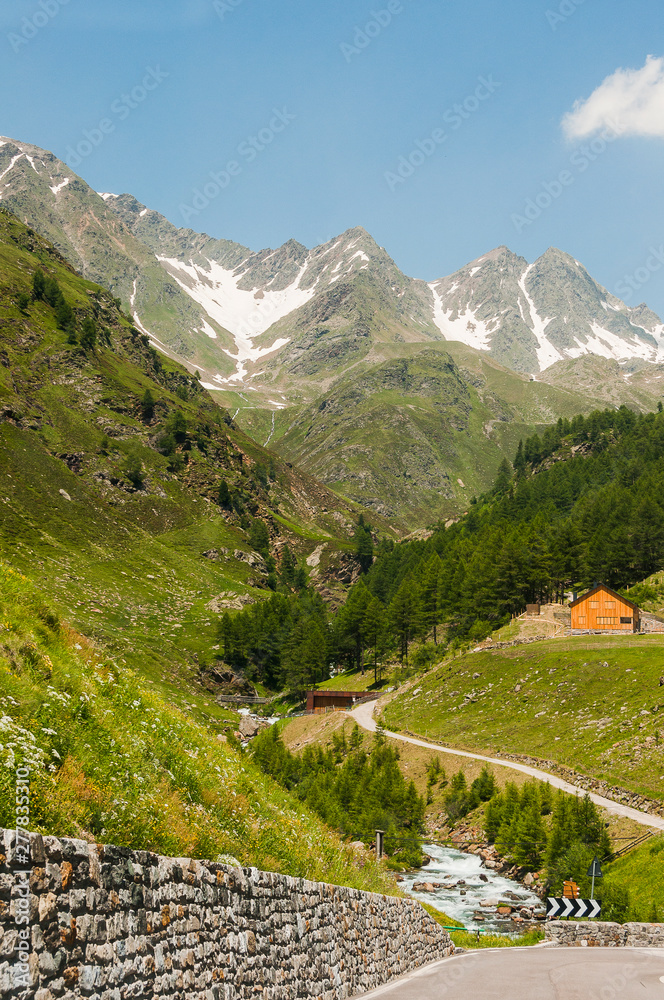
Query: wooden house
x=603, y=610
x=328, y=701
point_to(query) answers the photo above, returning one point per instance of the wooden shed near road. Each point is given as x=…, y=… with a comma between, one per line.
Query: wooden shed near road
x=603, y=610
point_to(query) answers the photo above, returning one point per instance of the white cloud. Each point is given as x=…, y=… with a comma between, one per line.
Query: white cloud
x=630, y=101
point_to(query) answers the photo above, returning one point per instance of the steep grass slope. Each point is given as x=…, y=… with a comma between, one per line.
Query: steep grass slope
x=111, y=506
x=592, y=703
x=113, y=762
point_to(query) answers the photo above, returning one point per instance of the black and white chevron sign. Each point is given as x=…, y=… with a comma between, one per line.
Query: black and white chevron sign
x=589, y=908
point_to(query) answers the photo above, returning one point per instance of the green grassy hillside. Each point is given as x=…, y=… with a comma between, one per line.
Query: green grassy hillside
x=416, y=430
x=115, y=510
x=593, y=703
x=113, y=762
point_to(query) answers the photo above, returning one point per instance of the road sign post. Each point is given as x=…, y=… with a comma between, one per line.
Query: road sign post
x=595, y=871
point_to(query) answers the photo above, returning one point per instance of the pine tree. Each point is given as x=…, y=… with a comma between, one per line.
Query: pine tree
x=64, y=314
x=373, y=627
x=147, y=405
x=530, y=836
x=520, y=461
x=223, y=494
x=259, y=537
x=52, y=293
x=402, y=615
x=287, y=568
x=88, y=334
x=38, y=284
x=364, y=548
x=503, y=478
x=429, y=596
x=350, y=624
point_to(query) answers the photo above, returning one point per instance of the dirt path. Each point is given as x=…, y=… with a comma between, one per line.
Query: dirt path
x=363, y=715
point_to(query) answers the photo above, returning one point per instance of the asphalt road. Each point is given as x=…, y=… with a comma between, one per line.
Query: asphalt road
x=363, y=715
x=539, y=973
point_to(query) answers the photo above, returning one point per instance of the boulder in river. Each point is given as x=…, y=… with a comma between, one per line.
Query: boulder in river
x=251, y=727
x=422, y=887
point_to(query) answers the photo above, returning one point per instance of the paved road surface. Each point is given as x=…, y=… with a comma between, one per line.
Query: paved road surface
x=363, y=714
x=539, y=973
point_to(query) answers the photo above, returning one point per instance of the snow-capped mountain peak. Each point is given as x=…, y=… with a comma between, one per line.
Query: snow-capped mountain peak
x=529, y=316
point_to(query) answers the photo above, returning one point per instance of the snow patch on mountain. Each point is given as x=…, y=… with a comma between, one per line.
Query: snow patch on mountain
x=547, y=354
x=14, y=160
x=137, y=321
x=60, y=186
x=465, y=326
x=246, y=314
x=608, y=345
x=208, y=330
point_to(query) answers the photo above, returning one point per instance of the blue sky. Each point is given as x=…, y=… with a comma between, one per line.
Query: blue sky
x=352, y=109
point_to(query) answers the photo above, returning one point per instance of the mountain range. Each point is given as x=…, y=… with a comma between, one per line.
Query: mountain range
x=397, y=392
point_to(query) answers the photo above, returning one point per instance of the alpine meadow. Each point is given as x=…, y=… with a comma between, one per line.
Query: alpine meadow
x=331, y=501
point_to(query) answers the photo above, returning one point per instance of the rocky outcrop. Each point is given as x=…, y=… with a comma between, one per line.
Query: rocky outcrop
x=86, y=920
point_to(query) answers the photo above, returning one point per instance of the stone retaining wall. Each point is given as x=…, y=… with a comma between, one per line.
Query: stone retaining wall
x=600, y=934
x=108, y=923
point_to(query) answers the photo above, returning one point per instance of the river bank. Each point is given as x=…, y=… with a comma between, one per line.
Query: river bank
x=459, y=884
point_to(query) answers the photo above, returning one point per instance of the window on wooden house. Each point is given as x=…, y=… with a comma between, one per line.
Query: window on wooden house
x=602, y=620
x=593, y=604
x=624, y=620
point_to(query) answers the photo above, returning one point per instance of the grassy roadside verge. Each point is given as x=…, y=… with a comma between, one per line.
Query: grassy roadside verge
x=114, y=762
x=471, y=940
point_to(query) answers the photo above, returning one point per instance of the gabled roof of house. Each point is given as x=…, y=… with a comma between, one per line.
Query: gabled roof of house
x=603, y=586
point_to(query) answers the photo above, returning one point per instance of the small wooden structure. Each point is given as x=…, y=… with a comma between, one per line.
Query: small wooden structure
x=327, y=701
x=603, y=610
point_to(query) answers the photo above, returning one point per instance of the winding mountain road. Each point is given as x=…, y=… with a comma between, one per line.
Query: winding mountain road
x=539, y=973
x=363, y=715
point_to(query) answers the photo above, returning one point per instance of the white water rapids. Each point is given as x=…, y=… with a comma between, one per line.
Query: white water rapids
x=448, y=865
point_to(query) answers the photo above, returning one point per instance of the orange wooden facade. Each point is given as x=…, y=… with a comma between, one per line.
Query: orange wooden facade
x=603, y=610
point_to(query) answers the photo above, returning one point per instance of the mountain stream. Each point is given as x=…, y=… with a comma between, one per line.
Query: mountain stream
x=464, y=885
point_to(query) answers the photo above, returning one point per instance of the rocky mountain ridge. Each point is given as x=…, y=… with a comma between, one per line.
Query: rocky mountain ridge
x=401, y=394
x=229, y=310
